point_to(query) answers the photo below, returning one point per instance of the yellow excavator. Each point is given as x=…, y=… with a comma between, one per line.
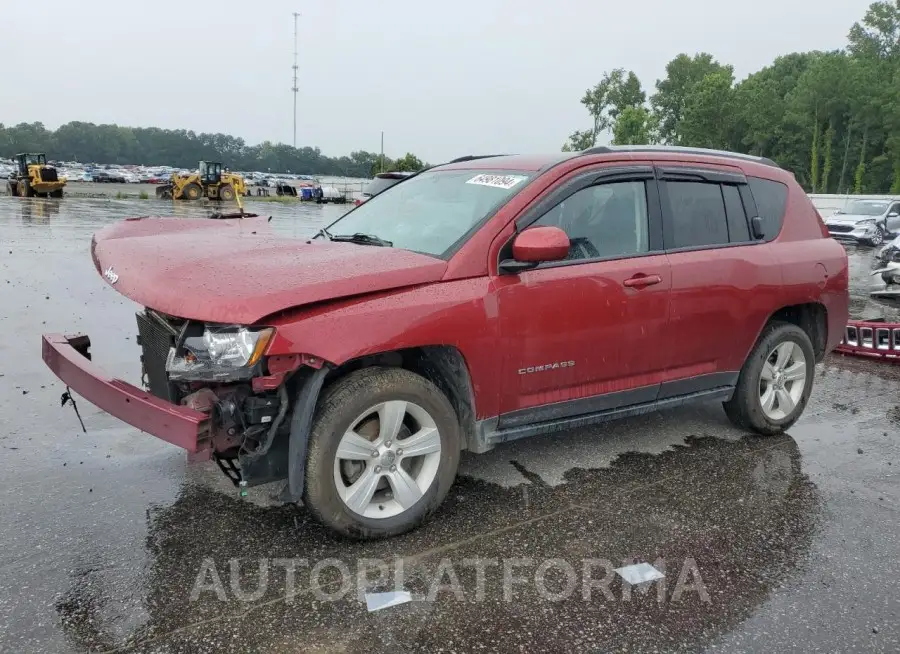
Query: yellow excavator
x=33, y=176
x=209, y=182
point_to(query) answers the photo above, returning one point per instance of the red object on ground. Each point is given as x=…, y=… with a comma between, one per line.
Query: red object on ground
x=874, y=339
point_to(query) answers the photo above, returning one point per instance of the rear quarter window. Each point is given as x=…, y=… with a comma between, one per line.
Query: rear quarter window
x=771, y=202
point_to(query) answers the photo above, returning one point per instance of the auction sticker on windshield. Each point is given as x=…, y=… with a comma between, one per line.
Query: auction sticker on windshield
x=497, y=181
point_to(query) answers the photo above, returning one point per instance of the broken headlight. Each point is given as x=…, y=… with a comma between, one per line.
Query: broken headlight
x=220, y=353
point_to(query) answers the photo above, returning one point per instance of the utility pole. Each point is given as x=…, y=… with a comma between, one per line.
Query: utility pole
x=295, y=88
x=382, y=151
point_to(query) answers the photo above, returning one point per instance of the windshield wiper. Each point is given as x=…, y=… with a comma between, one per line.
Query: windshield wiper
x=362, y=239
x=324, y=232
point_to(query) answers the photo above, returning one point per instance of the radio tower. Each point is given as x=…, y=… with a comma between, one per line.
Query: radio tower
x=294, y=88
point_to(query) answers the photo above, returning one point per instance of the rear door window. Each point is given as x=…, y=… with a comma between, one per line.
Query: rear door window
x=697, y=211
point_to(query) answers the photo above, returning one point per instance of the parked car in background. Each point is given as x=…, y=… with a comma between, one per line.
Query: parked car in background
x=382, y=182
x=865, y=221
x=481, y=301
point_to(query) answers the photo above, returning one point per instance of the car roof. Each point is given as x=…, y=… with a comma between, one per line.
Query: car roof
x=537, y=162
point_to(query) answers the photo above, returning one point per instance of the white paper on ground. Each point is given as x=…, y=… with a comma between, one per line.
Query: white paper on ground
x=639, y=573
x=378, y=601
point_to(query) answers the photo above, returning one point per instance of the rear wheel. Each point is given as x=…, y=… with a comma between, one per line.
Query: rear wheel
x=775, y=382
x=13, y=188
x=383, y=452
x=226, y=192
x=192, y=191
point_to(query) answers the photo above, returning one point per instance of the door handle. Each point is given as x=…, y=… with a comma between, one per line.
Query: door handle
x=641, y=280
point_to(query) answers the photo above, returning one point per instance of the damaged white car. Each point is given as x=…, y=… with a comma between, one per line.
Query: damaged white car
x=865, y=221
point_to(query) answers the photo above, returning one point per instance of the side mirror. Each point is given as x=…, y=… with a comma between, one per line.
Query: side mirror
x=756, y=226
x=536, y=245
x=893, y=214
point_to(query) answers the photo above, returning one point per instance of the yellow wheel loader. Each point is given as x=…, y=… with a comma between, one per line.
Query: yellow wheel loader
x=210, y=182
x=33, y=176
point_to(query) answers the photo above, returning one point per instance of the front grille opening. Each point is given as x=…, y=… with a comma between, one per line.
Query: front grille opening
x=156, y=335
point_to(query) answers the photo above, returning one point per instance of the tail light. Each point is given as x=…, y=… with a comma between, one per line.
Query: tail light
x=357, y=202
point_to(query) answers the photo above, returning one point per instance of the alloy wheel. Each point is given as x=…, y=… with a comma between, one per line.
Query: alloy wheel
x=387, y=459
x=782, y=380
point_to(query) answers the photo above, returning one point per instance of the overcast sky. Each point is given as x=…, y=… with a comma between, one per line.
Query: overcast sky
x=441, y=78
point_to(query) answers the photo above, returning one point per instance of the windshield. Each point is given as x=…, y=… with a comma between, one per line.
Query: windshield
x=864, y=208
x=431, y=211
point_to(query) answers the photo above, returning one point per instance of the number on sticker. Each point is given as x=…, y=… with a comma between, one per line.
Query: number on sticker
x=497, y=181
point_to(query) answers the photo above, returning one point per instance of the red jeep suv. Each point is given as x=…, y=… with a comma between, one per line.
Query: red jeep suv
x=476, y=302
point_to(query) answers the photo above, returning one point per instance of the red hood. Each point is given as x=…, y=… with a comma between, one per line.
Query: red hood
x=238, y=271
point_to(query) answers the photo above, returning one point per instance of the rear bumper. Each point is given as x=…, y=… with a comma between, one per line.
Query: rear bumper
x=67, y=357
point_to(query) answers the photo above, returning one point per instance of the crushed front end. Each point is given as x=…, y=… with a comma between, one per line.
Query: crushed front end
x=209, y=389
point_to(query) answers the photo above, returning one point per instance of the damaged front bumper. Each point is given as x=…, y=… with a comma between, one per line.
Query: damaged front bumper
x=69, y=359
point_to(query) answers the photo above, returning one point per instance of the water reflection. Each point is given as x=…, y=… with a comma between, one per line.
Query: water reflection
x=743, y=510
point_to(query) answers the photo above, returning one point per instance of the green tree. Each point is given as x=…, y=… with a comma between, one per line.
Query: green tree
x=633, y=127
x=408, y=163
x=114, y=144
x=707, y=118
x=672, y=92
x=616, y=91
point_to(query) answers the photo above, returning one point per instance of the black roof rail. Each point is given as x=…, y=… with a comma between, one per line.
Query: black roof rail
x=608, y=149
x=473, y=157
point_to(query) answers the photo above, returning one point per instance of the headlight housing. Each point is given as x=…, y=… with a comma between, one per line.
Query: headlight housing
x=866, y=222
x=220, y=353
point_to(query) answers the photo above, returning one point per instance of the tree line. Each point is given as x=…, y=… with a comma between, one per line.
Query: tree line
x=833, y=118
x=152, y=146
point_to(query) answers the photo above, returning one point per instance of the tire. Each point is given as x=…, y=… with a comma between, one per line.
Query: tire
x=746, y=407
x=13, y=189
x=58, y=193
x=192, y=192
x=226, y=192
x=878, y=237
x=25, y=189
x=356, y=399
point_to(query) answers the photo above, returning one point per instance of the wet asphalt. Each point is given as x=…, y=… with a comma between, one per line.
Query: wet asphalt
x=788, y=543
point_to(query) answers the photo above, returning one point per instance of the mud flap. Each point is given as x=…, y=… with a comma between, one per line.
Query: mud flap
x=301, y=424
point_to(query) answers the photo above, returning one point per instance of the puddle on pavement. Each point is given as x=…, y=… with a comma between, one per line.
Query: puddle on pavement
x=743, y=511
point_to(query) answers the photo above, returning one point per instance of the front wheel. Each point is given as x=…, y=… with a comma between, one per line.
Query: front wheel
x=775, y=382
x=192, y=191
x=383, y=452
x=877, y=237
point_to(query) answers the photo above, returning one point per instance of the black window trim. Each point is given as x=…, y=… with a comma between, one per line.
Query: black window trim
x=691, y=174
x=704, y=176
x=595, y=177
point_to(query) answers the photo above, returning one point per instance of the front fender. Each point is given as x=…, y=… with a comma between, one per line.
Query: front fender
x=460, y=313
